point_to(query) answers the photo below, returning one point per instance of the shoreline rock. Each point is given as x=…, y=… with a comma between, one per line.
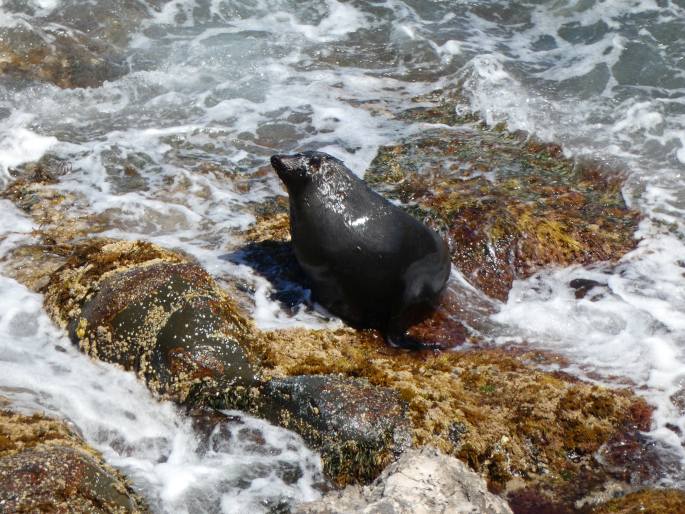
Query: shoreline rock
x=419, y=482
x=509, y=204
x=45, y=467
x=155, y=312
x=159, y=314
x=65, y=58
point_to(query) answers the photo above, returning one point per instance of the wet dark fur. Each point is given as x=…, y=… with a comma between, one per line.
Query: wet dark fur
x=370, y=263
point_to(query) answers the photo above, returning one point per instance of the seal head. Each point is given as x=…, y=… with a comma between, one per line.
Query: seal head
x=369, y=262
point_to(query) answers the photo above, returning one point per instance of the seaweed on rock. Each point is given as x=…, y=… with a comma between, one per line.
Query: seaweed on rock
x=509, y=204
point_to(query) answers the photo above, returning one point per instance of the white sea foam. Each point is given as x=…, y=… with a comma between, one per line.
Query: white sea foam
x=19, y=145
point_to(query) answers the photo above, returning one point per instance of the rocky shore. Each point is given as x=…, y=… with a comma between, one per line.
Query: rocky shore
x=483, y=427
x=534, y=436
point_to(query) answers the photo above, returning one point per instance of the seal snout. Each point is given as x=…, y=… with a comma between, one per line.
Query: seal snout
x=290, y=168
x=277, y=161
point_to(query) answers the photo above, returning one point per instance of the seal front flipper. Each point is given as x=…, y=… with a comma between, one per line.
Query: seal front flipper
x=397, y=331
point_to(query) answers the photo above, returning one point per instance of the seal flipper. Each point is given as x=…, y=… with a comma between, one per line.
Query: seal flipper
x=396, y=333
x=407, y=342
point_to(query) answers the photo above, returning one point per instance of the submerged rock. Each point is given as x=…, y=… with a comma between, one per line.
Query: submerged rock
x=78, y=45
x=509, y=204
x=420, y=482
x=157, y=313
x=45, y=467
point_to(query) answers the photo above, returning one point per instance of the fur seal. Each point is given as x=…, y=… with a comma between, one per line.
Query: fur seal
x=370, y=263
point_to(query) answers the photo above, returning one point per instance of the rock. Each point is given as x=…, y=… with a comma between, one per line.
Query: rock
x=490, y=408
x=358, y=428
x=77, y=45
x=420, y=482
x=45, y=467
x=636, y=458
x=510, y=205
x=583, y=286
x=59, y=216
x=113, y=21
x=157, y=313
x=652, y=501
x=64, y=57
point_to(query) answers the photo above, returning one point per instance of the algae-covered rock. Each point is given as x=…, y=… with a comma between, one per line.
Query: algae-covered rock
x=59, y=219
x=505, y=418
x=45, y=467
x=158, y=313
x=358, y=428
x=155, y=312
x=64, y=57
x=420, y=482
x=649, y=501
x=510, y=205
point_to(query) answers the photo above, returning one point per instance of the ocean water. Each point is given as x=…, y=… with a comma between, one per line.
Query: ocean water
x=214, y=87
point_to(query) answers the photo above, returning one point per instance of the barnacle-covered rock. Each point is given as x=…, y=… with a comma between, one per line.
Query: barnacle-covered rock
x=491, y=408
x=358, y=428
x=155, y=312
x=45, y=467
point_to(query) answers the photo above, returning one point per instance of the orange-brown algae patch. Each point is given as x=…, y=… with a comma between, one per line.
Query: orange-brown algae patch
x=45, y=467
x=502, y=416
x=648, y=501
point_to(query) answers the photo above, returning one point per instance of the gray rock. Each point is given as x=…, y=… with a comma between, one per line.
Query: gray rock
x=421, y=482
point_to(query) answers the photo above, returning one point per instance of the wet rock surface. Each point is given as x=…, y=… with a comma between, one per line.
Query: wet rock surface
x=358, y=428
x=155, y=312
x=488, y=407
x=159, y=314
x=421, y=481
x=45, y=467
x=66, y=58
x=510, y=205
x=76, y=46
